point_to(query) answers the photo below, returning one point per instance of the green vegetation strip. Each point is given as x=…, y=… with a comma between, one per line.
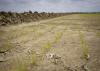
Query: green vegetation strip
x=49, y=44
x=84, y=45
x=58, y=37
x=97, y=34
x=20, y=67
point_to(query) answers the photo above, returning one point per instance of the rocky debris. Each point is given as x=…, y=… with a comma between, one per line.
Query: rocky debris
x=7, y=18
x=84, y=67
x=57, y=60
x=3, y=52
x=54, y=58
x=87, y=57
x=2, y=58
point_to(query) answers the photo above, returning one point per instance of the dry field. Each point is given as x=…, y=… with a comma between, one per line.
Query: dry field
x=68, y=43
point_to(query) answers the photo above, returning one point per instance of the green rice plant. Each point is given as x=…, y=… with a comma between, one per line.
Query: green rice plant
x=86, y=53
x=98, y=34
x=19, y=67
x=58, y=36
x=34, y=58
x=84, y=46
x=46, y=47
x=22, y=67
x=6, y=46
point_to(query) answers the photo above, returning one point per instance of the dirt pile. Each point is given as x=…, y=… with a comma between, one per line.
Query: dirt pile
x=7, y=18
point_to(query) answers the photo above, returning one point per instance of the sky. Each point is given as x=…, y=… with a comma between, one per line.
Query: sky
x=50, y=5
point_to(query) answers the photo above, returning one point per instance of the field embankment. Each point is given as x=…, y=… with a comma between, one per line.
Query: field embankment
x=8, y=18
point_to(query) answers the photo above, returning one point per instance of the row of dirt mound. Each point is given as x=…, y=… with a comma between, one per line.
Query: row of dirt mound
x=7, y=18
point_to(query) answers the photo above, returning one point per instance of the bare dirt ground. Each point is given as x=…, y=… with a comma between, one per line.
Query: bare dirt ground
x=68, y=43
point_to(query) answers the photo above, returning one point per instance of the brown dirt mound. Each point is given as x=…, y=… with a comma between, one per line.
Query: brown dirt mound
x=7, y=18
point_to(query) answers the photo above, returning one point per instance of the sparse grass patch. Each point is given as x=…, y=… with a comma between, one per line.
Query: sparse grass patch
x=58, y=36
x=2, y=32
x=46, y=47
x=6, y=46
x=84, y=46
x=97, y=33
x=5, y=41
x=19, y=67
x=86, y=52
x=22, y=67
x=90, y=14
x=34, y=58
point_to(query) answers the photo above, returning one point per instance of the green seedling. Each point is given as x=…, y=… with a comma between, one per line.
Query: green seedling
x=34, y=58
x=84, y=46
x=98, y=34
x=46, y=47
x=6, y=46
x=19, y=67
x=58, y=36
